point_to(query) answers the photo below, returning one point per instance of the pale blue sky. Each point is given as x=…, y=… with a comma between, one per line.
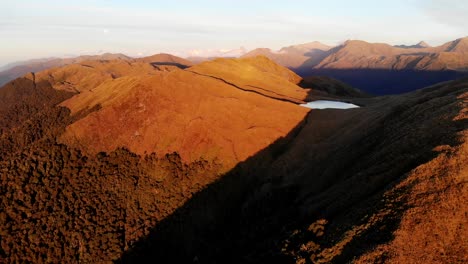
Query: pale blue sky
x=35, y=29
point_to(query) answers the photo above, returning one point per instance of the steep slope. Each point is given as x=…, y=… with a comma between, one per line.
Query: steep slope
x=459, y=45
x=348, y=186
x=28, y=113
x=391, y=173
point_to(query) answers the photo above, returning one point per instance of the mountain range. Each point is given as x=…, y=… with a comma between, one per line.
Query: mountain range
x=160, y=159
x=357, y=54
x=375, y=68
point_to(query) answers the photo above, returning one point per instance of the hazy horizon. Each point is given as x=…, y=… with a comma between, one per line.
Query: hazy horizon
x=139, y=28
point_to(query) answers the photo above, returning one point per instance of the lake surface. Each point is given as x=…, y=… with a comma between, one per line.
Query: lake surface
x=325, y=104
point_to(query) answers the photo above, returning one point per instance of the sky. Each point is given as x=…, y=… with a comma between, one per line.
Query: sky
x=49, y=28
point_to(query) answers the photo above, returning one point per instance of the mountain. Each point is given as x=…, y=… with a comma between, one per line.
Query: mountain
x=141, y=160
x=21, y=68
x=165, y=61
x=420, y=45
x=356, y=54
x=375, y=68
x=191, y=98
x=294, y=56
x=381, y=69
x=255, y=74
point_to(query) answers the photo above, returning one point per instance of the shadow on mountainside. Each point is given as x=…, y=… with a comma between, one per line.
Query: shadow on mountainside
x=383, y=82
x=206, y=227
x=178, y=65
x=312, y=194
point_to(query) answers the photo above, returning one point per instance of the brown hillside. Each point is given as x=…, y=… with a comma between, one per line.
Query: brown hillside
x=90, y=74
x=194, y=115
x=259, y=74
x=459, y=45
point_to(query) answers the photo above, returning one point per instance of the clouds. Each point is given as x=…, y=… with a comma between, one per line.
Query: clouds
x=213, y=52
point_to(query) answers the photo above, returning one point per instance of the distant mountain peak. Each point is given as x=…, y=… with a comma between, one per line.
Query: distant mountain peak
x=419, y=45
x=423, y=44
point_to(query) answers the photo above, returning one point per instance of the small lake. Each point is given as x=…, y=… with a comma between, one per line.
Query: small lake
x=325, y=104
